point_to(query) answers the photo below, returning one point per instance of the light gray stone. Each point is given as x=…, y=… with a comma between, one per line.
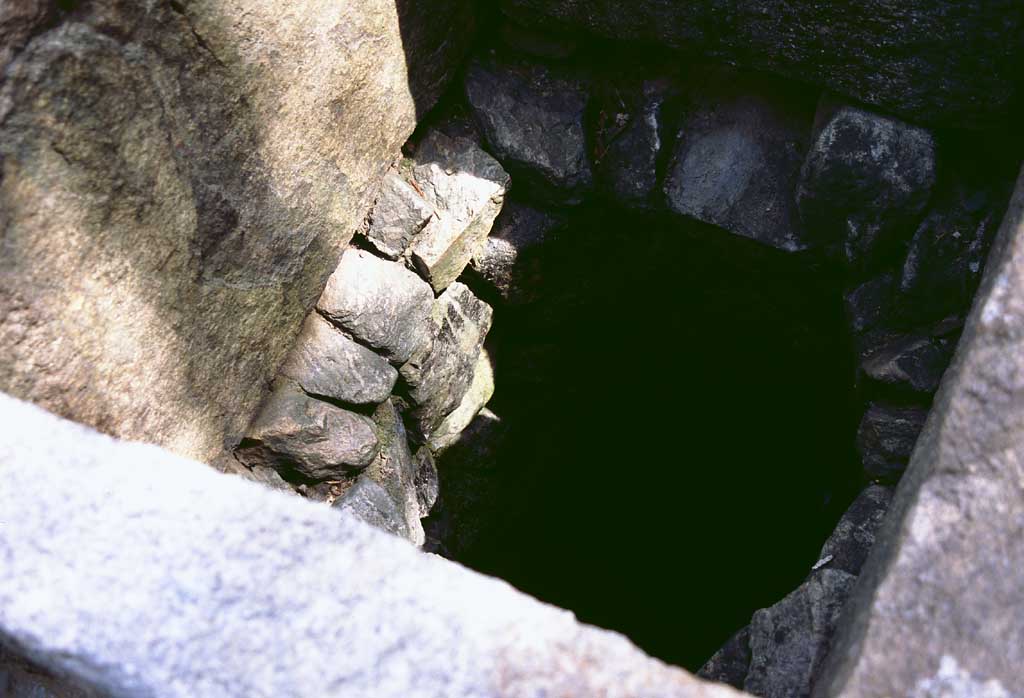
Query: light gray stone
x=737, y=159
x=438, y=379
x=945, y=576
x=399, y=214
x=380, y=303
x=298, y=434
x=477, y=396
x=509, y=261
x=324, y=362
x=178, y=180
x=533, y=119
x=158, y=577
x=789, y=641
x=371, y=503
x=865, y=183
x=465, y=187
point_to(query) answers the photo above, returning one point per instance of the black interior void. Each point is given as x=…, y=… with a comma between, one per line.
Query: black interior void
x=678, y=424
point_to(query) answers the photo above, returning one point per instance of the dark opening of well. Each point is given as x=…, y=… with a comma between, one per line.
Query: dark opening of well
x=678, y=416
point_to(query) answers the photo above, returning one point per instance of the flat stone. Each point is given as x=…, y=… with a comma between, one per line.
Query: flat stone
x=854, y=536
x=438, y=379
x=399, y=214
x=380, y=303
x=479, y=394
x=509, y=261
x=465, y=187
x=871, y=303
x=300, y=435
x=909, y=363
x=371, y=504
x=928, y=60
x=533, y=120
x=938, y=603
x=737, y=159
x=886, y=438
x=326, y=363
x=188, y=583
x=178, y=181
x=865, y=183
x=789, y=641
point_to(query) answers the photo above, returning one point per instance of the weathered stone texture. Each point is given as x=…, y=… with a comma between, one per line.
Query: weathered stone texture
x=178, y=180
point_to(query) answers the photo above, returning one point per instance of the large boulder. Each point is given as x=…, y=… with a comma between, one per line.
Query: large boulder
x=177, y=180
x=940, y=594
x=946, y=61
x=156, y=576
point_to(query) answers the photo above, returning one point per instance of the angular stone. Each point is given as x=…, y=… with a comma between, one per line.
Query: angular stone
x=789, y=641
x=326, y=363
x=886, y=438
x=399, y=214
x=299, y=435
x=854, y=536
x=737, y=159
x=731, y=663
x=178, y=179
x=943, y=583
x=509, y=260
x=438, y=379
x=628, y=156
x=380, y=303
x=930, y=60
x=371, y=503
x=865, y=183
x=533, y=119
x=465, y=187
x=909, y=363
x=427, y=483
x=478, y=395
x=191, y=583
x=870, y=303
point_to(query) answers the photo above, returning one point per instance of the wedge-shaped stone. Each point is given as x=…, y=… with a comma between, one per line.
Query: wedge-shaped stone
x=399, y=214
x=479, y=394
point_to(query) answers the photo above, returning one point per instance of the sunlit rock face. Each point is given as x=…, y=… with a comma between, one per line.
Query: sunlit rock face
x=178, y=180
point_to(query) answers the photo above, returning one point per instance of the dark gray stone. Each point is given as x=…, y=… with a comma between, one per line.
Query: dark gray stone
x=509, y=261
x=438, y=379
x=870, y=303
x=952, y=62
x=731, y=663
x=427, y=483
x=532, y=41
x=380, y=303
x=371, y=503
x=851, y=541
x=865, y=183
x=938, y=604
x=326, y=363
x=886, y=438
x=466, y=188
x=533, y=119
x=908, y=363
x=738, y=157
x=399, y=214
x=300, y=435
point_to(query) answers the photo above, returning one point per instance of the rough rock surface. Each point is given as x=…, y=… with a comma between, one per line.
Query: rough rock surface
x=398, y=215
x=536, y=42
x=939, y=598
x=438, y=379
x=738, y=157
x=866, y=181
x=910, y=363
x=380, y=303
x=533, y=119
x=298, y=434
x=789, y=641
x=371, y=503
x=509, y=260
x=479, y=394
x=731, y=663
x=324, y=362
x=886, y=438
x=465, y=187
x=175, y=191
x=192, y=583
x=870, y=303
x=946, y=61
x=851, y=541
